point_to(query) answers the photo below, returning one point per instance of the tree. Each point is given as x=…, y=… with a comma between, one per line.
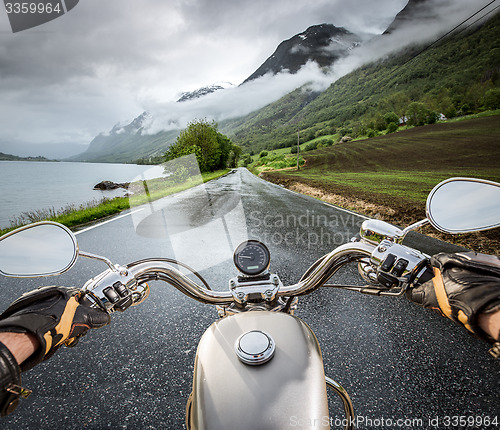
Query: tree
x=492, y=98
x=245, y=160
x=417, y=113
x=213, y=150
x=391, y=118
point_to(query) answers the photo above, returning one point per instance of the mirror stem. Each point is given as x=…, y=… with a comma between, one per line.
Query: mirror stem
x=98, y=257
x=415, y=226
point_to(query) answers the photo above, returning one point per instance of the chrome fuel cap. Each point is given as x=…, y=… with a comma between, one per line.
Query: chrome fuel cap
x=255, y=347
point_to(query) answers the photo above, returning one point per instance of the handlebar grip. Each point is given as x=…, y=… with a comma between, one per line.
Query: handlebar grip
x=118, y=297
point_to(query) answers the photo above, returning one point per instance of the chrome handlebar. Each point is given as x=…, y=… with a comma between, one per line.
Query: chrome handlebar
x=118, y=288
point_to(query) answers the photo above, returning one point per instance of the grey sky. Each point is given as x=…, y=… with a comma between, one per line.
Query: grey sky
x=107, y=61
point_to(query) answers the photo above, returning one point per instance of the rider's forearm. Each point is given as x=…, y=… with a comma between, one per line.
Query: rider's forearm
x=14, y=349
x=21, y=345
x=490, y=323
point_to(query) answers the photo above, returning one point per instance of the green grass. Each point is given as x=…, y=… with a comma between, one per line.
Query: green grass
x=275, y=161
x=76, y=215
x=409, y=163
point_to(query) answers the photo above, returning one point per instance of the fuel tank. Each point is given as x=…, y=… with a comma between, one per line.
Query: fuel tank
x=286, y=391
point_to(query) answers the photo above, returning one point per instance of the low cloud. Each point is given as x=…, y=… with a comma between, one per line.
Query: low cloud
x=239, y=101
x=69, y=80
x=234, y=102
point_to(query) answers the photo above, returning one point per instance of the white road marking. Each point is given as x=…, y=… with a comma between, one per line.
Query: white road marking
x=108, y=221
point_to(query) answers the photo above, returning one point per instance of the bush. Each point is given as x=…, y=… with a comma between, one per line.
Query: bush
x=311, y=146
x=344, y=131
x=263, y=154
x=392, y=127
x=245, y=160
x=293, y=149
x=432, y=117
x=391, y=118
x=492, y=98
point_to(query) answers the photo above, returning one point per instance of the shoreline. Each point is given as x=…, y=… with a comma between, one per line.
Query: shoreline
x=76, y=217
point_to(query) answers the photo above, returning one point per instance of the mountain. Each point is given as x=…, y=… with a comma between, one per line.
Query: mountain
x=459, y=75
x=416, y=11
x=453, y=77
x=127, y=143
x=323, y=44
x=53, y=151
x=203, y=91
x=9, y=157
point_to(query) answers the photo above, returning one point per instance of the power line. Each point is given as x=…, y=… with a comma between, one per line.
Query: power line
x=448, y=33
x=479, y=19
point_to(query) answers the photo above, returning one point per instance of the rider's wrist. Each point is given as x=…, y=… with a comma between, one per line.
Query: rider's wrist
x=490, y=323
x=10, y=381
x=20, y=345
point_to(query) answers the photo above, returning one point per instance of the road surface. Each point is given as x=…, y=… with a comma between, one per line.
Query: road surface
x=396, y=360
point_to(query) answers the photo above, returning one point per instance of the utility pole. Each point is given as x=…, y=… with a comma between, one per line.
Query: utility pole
x=298, y=148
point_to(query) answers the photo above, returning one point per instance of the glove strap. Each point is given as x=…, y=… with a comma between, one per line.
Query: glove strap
x=10, y=382
x=495, y=351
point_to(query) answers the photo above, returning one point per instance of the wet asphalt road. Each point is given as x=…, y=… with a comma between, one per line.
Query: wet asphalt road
x=397, y=361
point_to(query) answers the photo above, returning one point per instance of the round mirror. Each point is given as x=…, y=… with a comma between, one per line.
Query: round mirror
x=41, y=249
x=461, y=205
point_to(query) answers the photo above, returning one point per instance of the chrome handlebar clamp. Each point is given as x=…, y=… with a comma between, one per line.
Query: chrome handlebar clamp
x=399, y=266
x=255, y=289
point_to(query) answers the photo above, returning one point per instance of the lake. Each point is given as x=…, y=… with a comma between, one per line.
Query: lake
x=29, y=185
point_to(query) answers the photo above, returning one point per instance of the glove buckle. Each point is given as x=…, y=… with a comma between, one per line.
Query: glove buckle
x=18, y=391
x=495, y=350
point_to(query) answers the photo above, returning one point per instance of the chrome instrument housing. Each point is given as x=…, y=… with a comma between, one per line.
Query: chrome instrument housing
x=375, y=231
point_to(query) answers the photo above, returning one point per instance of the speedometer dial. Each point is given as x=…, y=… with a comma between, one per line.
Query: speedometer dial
x=252, y=258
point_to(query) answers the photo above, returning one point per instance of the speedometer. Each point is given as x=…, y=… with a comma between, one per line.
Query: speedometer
x=252, y=258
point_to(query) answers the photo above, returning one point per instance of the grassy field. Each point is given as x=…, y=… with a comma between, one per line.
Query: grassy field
x=390, y=176
x=74, y=216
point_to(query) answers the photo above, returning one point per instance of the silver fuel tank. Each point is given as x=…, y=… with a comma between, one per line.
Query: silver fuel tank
x=288, y=391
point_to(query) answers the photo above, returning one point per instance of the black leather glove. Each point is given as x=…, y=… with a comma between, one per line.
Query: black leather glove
x=55, y=315
x=464, y=286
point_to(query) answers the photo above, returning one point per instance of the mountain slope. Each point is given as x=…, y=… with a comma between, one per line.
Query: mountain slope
x=455, y=74
x=203, y=91
x=415, y=11
x=127, y=143
x=323, y=44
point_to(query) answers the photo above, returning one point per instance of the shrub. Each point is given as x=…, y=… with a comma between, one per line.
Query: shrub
x=492, y=98
x=392, y=127
x=391, y=118
x=311, y=146
x=263, y=154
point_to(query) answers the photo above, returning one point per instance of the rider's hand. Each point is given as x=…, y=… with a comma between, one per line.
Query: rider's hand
x=465, y=285
x=55, y=316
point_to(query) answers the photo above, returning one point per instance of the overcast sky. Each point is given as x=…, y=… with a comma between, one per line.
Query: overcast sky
x=107, y=61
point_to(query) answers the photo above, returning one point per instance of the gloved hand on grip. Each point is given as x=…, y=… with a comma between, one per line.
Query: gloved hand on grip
x=55, y=316
x=465, y=285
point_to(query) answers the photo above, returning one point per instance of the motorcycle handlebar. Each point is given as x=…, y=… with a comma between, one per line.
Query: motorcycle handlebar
x=106, y=290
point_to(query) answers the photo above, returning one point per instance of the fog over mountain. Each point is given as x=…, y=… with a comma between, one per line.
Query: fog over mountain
x=59, y=88
x=323, y=44
x=418, y=25
x=419, y=21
